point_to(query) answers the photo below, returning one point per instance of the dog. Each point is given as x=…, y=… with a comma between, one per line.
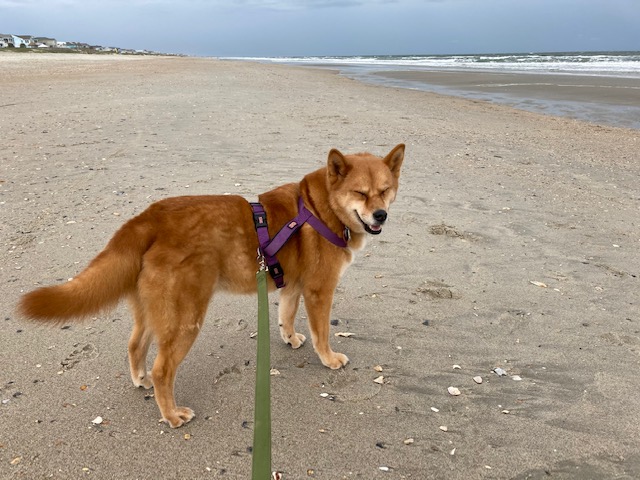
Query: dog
x=169, y=260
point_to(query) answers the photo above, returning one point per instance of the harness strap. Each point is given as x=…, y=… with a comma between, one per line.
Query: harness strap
x=260, y=221
x=271, y=247
x=287, y=231
x=322, y=229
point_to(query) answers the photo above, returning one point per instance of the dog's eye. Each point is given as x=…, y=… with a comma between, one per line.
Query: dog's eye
x=384, y=192
x=362, y=194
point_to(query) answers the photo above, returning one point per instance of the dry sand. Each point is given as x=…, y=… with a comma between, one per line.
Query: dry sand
x=491, y=200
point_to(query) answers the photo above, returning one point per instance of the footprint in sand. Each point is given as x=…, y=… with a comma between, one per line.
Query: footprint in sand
x=84, y=352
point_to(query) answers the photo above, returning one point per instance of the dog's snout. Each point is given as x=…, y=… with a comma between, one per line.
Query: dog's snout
x=380, y=216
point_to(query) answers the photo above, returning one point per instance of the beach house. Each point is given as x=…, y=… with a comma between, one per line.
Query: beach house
x=21, y=40
x=45, y=42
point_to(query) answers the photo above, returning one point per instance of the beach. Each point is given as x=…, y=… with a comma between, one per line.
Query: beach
x=598, y=99
x=598, y=87
x=512, y=248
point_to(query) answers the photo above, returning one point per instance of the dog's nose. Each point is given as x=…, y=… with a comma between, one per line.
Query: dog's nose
x=380, y=216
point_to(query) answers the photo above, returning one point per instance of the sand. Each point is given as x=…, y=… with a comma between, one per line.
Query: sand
x=606, y=100
x=513, y=244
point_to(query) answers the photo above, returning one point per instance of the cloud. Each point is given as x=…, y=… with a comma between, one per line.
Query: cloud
x=309, y=4
x=264, y=4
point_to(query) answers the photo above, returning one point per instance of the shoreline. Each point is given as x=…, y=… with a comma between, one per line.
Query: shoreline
x=611, y=101
x=598, y=98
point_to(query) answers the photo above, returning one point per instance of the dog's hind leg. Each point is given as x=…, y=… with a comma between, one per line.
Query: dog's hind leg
x=175, y=303
x=173, y=346
x=139, y=343
x=289, y=302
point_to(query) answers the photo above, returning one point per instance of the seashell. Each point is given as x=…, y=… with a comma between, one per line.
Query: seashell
x=453, y=391
x=477, y=379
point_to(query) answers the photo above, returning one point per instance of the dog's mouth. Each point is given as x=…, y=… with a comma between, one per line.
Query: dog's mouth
x=375, y=229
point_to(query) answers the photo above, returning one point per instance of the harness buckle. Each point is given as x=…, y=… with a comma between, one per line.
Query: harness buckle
x=260, y=219
x=276, y=271
x=262, y=262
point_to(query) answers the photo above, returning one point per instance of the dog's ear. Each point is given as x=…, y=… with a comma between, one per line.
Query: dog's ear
x=337, y=166
x=394, y=159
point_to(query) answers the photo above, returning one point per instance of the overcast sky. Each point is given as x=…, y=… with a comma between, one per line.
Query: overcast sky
x=332, y=27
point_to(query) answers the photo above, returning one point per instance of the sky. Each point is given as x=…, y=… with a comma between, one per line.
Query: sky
x=267, y=28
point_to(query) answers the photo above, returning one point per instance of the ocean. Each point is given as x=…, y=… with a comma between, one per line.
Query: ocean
x=599, y=87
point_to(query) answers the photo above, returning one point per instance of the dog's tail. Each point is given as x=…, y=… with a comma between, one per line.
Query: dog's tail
x=109, y=276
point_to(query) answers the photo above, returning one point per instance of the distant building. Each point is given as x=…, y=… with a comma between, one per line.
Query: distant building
x=22, y=41
x=49, y=42
x=9, y=40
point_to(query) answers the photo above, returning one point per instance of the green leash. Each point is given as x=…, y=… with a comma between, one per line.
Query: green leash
x=261, y=463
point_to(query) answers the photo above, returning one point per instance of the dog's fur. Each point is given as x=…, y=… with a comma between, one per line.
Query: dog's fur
x=170, y=259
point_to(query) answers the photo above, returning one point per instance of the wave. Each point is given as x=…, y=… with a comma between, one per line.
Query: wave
x=584, y=63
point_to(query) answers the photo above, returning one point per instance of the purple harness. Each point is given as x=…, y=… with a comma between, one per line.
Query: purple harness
x=269, y=247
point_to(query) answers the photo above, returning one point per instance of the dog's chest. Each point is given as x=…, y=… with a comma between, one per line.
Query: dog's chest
x=352, y=249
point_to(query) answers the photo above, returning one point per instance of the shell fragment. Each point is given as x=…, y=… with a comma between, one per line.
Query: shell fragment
x=453, y=391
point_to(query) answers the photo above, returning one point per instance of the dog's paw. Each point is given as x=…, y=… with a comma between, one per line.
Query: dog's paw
x=145, y=381
x=178, y=417
x=296, y=340
x=335, y=360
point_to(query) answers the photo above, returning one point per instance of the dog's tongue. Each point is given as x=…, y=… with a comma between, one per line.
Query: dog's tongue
x=375, y=228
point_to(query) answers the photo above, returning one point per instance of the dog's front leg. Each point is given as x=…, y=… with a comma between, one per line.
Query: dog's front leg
x=289, y=302
x=318, y=302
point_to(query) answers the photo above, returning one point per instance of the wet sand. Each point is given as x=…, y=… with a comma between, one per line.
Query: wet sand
x=608, y=100
x=513, y=244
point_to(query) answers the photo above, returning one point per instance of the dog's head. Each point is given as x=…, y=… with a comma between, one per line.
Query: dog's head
x=362, y=186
